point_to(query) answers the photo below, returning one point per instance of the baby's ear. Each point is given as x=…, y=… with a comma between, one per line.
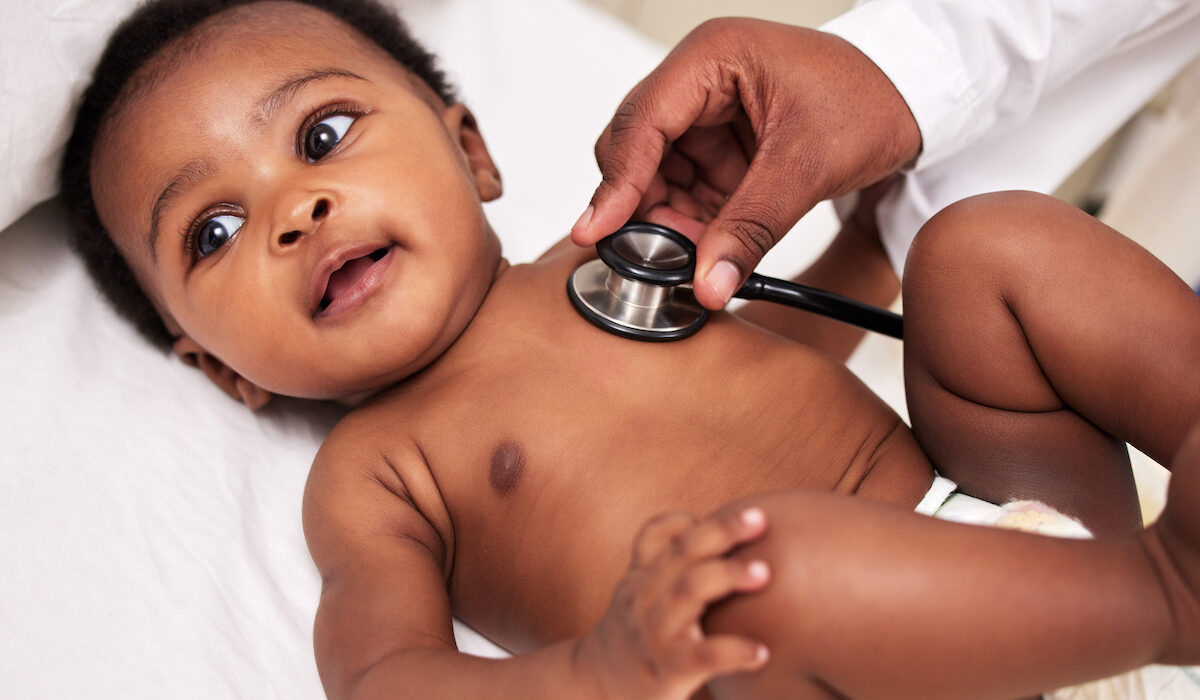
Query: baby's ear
x=462, y=126
x=232, y=383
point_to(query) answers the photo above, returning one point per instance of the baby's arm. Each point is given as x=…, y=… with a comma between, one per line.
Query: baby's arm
x=383, y=626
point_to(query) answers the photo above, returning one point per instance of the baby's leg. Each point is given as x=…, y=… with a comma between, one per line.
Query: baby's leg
x=1038, y=340
x=874, y=601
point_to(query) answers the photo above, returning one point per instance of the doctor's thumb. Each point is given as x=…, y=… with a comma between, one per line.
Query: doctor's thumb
x=734, y=243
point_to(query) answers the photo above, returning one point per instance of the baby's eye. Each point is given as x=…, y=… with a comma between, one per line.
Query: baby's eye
x=216, y=232
x=324, y=135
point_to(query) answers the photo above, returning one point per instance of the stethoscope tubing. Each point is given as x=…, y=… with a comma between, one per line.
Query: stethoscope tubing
x=819, y=301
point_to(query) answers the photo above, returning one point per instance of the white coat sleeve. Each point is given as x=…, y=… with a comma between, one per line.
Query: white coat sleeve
x=1012, y=94
x=968, y=68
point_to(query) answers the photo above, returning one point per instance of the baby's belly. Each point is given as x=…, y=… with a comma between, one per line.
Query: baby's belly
x=529, y=574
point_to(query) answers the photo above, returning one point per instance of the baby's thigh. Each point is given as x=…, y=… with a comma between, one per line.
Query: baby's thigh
x=798, y=616
x=865, y=600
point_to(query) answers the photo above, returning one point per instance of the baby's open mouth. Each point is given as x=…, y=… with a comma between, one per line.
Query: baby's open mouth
x=345, y=279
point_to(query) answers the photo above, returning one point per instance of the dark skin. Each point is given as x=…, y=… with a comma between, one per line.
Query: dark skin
x=997, y=285
x=491, y=473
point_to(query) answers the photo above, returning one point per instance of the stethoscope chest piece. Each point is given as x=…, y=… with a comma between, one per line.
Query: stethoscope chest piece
x=639, y=288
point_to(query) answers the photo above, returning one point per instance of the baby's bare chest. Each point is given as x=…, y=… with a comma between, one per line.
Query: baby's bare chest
x=546, y=422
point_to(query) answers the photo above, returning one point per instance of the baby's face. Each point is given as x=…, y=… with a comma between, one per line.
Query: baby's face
x=300, y=206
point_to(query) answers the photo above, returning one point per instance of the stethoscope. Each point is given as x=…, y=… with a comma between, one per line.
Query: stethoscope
x=640, y=288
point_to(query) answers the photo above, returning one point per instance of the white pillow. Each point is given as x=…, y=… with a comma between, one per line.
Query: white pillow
x=47, y=53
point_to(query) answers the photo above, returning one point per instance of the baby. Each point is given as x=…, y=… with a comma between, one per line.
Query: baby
x=295, y=201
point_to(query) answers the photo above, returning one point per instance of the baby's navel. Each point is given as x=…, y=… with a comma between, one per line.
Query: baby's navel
x=508, y=461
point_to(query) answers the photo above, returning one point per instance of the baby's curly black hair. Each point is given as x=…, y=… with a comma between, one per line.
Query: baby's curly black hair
x=141, y=36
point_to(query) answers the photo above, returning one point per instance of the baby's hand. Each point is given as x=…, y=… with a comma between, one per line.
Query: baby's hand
x=650, y=643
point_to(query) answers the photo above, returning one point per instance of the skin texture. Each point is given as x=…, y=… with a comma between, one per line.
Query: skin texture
x=485, y=475
x=742, y=129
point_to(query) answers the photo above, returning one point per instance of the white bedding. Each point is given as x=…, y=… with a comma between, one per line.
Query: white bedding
x=150, y=526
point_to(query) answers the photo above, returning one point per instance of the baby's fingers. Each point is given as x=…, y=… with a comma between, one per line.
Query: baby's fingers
x=716, y=535
x=724, y=654
x=659, y=535
x=704, y=584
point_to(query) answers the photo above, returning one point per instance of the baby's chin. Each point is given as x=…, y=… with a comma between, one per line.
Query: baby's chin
x=355, y=390
x=347, y=392
x=358, y=398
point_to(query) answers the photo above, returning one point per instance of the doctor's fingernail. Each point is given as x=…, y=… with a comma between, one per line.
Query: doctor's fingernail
x=584, y=219
x=724, y=278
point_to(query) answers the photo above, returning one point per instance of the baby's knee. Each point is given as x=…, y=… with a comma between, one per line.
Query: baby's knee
x=782, y=616
x=987, y=236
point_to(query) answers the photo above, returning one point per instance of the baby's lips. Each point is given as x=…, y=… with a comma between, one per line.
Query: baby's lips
x=356, y=279
x=331, y=263
x=347, y=276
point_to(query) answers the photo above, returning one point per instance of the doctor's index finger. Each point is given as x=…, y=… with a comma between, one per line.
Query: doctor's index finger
x=677, y=95
x=629, y=153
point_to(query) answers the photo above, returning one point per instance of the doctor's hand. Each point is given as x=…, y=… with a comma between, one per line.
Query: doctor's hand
x=742, y=129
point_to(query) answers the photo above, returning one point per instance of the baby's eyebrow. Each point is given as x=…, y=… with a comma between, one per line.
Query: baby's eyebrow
x=193, y=171
x=287, y=90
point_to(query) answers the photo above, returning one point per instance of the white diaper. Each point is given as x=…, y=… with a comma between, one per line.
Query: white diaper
x=943, y=501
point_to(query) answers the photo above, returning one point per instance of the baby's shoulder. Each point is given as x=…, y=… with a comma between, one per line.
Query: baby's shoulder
x=355, y=432
x=368, y=488
x=370, y=443
x=369, y=464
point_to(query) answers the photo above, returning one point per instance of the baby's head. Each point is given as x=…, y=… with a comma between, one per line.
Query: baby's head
x=284, y=192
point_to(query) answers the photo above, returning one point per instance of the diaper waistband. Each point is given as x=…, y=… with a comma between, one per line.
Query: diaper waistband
x=938, y=492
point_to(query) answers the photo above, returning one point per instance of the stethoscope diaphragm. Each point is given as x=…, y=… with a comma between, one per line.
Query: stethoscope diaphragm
x=640, y=287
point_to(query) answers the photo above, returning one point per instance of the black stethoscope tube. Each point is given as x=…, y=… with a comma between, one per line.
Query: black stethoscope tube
x=819, y=301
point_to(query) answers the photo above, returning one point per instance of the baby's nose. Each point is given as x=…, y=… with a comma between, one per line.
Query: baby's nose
x=320, y=211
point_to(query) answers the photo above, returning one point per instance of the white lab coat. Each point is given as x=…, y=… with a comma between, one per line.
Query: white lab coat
x=1012, y=94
